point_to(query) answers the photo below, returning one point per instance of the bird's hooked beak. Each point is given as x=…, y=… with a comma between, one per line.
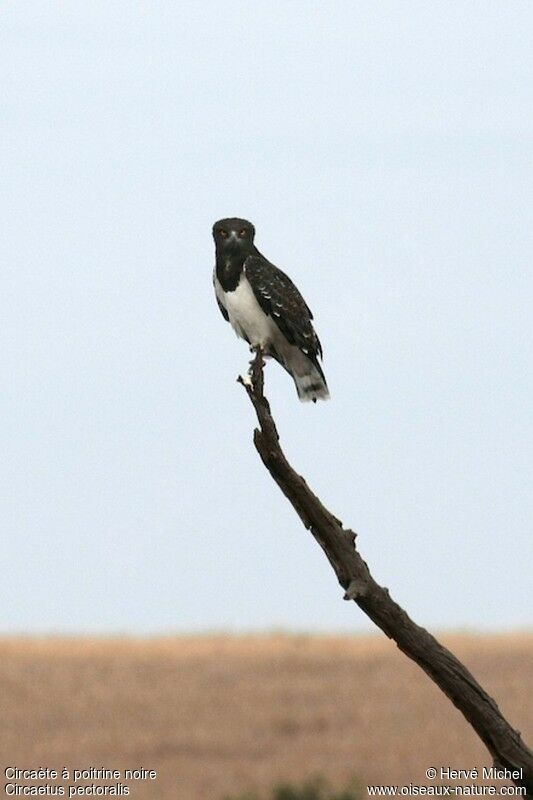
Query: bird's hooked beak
x=232, y=242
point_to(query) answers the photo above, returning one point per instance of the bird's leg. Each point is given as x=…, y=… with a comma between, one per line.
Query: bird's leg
x=255, y=372
x=253, y=380
x=258, y=357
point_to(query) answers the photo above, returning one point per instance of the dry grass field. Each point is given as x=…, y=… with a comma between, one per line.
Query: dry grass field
x=216, y=715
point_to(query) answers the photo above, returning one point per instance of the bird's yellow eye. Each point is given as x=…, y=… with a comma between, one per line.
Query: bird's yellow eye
x=242, y=233
x=223, y=233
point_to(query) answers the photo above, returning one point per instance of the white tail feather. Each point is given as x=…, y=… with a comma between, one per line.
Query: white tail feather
x=311, y=386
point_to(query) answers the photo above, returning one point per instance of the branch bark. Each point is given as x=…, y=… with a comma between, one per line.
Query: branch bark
x=338, y=543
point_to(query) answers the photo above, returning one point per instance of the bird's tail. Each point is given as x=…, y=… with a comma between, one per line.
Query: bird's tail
x=311, y=385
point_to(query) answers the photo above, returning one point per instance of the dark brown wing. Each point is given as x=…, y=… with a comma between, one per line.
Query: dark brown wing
x=278, y=296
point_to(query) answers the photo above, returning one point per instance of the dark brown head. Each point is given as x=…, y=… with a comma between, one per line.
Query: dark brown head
x=233, y=235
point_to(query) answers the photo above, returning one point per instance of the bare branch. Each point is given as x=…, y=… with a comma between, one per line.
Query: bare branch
x=503, y=742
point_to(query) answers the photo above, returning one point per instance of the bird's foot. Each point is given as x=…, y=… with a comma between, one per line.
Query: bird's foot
x=257, y=360
x=255, y=370
x=253, y=380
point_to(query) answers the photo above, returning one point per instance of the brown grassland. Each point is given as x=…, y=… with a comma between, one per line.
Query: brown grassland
x=218, y=715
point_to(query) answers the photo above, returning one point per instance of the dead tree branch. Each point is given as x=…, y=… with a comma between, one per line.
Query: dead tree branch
x=338, y=543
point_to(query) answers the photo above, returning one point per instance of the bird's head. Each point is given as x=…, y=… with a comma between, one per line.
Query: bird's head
x=233, y=235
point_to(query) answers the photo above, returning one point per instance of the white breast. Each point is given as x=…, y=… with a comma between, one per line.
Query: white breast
x=246, y=315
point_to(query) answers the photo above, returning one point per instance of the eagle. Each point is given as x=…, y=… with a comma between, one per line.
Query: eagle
x=265, y=308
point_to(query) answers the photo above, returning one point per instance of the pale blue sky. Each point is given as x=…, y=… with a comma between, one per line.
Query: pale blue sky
x=384, y=152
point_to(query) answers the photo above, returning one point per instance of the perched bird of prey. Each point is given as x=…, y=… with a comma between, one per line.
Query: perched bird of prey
x=264, y=307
